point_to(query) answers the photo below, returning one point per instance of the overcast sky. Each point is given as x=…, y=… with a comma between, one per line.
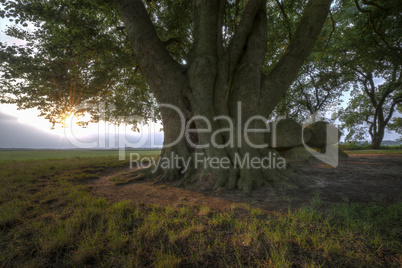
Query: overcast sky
x=16, y=133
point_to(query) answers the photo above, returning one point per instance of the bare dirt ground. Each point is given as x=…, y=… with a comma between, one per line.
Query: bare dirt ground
x=365, y=178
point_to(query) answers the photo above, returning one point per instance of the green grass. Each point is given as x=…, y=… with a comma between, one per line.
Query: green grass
x=62, y=154
x=377, y=151
x=48, y=217
x=353, y=146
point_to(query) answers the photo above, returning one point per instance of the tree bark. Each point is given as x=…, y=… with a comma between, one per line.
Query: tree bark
x=219, y=84
x=377, y=140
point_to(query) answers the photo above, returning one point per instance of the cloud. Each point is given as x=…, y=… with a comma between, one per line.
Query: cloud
x=14, y=134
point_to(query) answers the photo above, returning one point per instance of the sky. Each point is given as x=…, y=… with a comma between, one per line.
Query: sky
x=25, y=129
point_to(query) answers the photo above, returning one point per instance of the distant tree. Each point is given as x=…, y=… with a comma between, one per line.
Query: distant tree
x=361, y=118
x=318, y=85
x=396, y=124
x=203, y=57
x=372, y=49
x=322, y=79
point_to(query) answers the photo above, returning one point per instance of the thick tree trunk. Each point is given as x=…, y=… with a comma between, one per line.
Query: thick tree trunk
x=376, y=142
x=219, y=89
x=377, y=137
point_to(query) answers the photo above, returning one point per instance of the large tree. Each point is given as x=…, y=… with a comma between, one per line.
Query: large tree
x=219, y=62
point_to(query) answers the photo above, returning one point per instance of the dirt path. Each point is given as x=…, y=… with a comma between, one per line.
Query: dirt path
x=361, y=178
x=151, y=193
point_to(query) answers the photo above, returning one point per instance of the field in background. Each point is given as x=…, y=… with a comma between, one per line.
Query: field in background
x=378, y=151
x=66, y=154
x=365, y=148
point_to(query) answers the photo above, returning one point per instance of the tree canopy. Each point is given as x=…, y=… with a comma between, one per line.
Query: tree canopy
x=77, y=53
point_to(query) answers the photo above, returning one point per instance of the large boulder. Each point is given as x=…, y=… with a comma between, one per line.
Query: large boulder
x=319, y=134
x=298, y=153
x=288, y=134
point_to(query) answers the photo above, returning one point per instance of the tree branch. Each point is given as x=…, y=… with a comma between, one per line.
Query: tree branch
x=246, y=84
x=372, y=85
x=331, y=33
x=368, y=12
x=284, y=72
x=171, y=41
x=370, y=93
x=286, y=19
x=320, y=105
x=153, y=59
x=121, y=29
x=308, y=102
x=391, y=111
x=205, y=27
x=371, y=130
x=238, y=42
x=373, y=4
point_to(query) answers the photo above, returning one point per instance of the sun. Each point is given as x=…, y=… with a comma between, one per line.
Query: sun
x=67, y=119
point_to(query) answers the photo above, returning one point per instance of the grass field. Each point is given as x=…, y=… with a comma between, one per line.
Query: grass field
x=48, y=217
x=372, y=151
x=62, y=154
x=65, y=154
x=353, y=148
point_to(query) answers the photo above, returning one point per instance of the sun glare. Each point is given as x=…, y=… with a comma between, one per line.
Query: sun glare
x=68, y=120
